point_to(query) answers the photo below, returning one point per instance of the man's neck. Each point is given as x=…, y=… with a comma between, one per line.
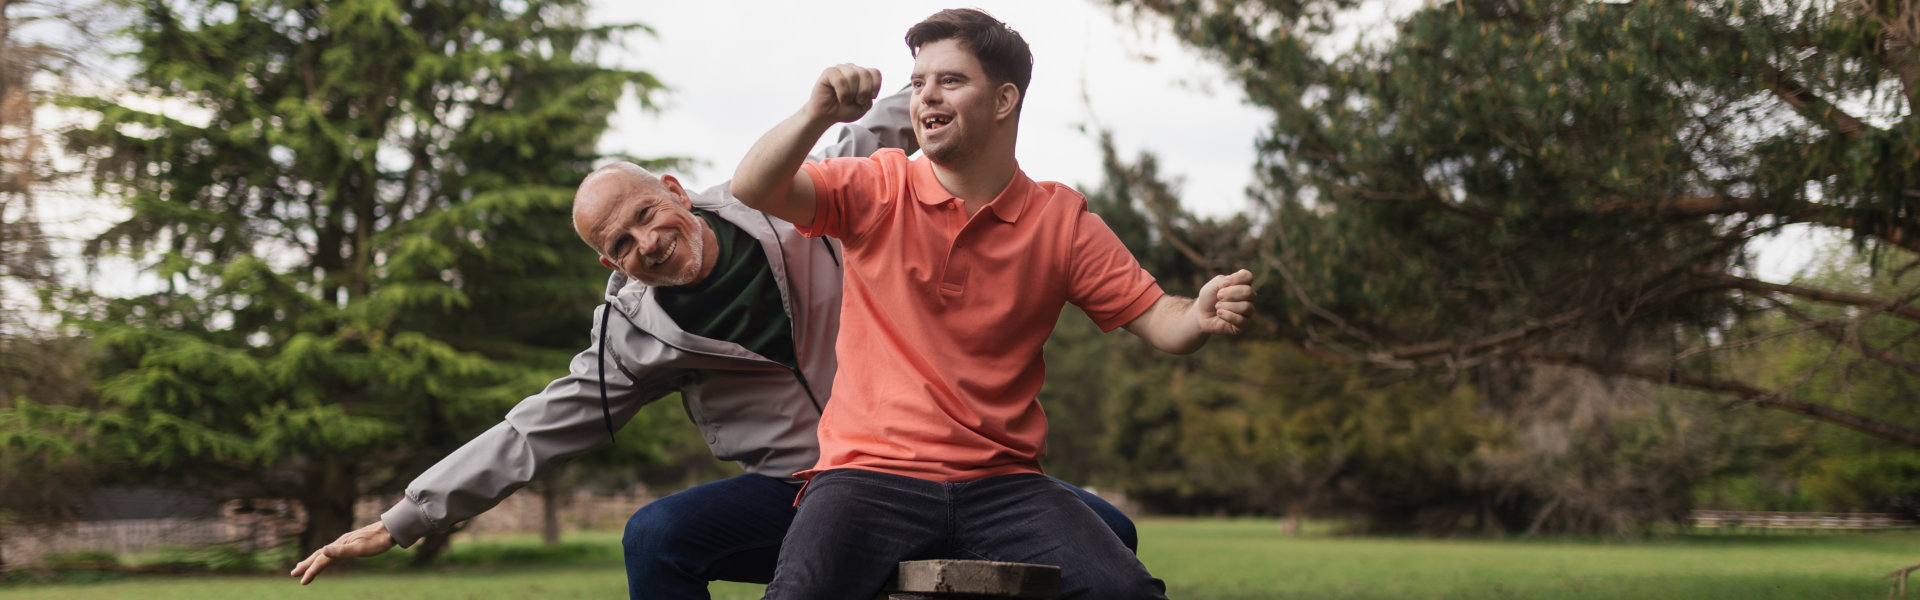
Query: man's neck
x=977, y=182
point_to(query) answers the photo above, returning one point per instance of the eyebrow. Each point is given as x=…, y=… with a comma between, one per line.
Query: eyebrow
x=940, y=74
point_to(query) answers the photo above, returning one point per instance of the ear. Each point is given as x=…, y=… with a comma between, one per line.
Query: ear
x=608, y=263
x=680, y=196
x=1006, y=101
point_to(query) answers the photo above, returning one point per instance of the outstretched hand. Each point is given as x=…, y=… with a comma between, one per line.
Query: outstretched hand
x=359, y=543
x=843, y=93
x=1224, y=303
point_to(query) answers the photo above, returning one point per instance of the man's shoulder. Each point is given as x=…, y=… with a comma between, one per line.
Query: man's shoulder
x=1056, y=198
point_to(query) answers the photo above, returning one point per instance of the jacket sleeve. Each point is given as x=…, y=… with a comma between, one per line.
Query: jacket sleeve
x=887, y=125
x=541, y=432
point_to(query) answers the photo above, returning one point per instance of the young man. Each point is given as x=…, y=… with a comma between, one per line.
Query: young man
x=737, y=312
x=958, y=266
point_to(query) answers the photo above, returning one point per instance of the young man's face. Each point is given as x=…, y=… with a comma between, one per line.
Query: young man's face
x=645, y=231
x=953, y=101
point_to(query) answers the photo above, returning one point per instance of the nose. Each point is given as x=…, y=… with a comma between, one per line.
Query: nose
x=928, y=94
x=646, y=240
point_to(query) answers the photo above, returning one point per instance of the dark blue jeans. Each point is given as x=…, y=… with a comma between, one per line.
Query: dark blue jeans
x=730, y=530
x=853, y=526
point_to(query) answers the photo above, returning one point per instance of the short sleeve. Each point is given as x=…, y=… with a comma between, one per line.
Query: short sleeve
x=1104, y=279
x=849, y=194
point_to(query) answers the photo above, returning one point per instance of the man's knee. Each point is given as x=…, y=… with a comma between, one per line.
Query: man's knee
x=652, y=528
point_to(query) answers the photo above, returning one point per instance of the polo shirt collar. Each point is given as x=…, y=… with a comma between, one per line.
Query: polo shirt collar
x=1008, y=206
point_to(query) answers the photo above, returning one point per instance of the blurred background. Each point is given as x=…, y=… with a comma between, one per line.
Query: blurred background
x=1534, y=276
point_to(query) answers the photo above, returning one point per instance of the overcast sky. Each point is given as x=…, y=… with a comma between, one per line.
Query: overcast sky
x=737, y=68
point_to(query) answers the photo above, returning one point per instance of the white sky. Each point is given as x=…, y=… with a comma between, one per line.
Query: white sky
x=739, y=67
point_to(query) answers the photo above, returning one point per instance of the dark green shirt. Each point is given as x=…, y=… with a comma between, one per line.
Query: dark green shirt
x=739, y=301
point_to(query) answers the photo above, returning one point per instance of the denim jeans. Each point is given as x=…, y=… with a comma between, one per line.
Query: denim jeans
x=730, y=530
x=853, y=526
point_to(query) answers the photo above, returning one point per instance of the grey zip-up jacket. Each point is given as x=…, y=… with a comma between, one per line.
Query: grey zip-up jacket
x=751, y=410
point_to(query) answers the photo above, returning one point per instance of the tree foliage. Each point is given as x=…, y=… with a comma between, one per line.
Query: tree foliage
x=1509, y=183
x=44, y=49
x=355, y=218
x=1259, y=426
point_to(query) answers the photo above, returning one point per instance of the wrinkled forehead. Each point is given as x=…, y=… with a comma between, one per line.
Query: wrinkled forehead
x=606, y=194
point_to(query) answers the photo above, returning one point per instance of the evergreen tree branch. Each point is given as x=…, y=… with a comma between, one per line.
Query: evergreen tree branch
x=1814, y=107
x=1836, y=330
x=1745, y=392
x=1903, y=234
x=1902, y=310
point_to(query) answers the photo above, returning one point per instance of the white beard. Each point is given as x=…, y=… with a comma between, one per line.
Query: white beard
x=698, y=246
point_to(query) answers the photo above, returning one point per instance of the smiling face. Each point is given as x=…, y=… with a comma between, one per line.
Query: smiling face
x=954, y=102
x=642, y=226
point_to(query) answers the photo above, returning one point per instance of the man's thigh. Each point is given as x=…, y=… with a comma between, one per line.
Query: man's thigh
x=1033, y=519
x=853, y=527
x=1108, y=513
x=727, y=530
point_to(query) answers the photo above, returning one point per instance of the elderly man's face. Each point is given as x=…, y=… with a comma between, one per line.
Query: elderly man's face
x=642, y=227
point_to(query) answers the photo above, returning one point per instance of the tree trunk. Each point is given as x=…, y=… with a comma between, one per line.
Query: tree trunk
x=550, y=502
x=331, y=490
x=430, y=548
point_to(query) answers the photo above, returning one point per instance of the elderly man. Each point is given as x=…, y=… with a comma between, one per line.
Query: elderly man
x=734, y=310
x=958, y=266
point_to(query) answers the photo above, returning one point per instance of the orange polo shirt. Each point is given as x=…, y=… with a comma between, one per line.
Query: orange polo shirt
x=943, y=316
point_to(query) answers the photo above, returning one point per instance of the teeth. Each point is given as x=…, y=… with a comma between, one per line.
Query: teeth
x=668, y=254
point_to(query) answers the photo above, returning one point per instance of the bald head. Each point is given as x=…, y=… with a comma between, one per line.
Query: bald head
x=603, y=188
x=641, y=225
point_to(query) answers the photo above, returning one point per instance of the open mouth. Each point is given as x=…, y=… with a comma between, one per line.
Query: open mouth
x=932, y=123
x=665, y=255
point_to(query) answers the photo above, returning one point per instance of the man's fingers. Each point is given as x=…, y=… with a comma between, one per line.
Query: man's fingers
x=1236, y=308
x=869, y=85
x=1236, y=292
x=319, y=563
x=1240, y=277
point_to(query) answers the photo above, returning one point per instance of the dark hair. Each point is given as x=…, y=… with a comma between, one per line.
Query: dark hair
x=1002, y=53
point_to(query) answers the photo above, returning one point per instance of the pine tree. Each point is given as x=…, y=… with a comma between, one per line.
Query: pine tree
x=1494, y=185
x=356, y=213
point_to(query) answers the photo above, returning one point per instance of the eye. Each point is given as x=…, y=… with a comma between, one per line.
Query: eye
x=919, y=83
x=950, y=81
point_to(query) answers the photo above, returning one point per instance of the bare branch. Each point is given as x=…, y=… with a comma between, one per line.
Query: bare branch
x=1747, y=393
x=1902, y=234
x=1901, y=310
x=1814, y=107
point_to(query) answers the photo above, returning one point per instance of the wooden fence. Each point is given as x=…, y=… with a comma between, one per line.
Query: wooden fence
x=1720, y=519
x=260, y=525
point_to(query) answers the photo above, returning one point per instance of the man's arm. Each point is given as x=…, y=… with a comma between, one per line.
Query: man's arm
x=1182, y=325
x=540, y=432
x=769, y=178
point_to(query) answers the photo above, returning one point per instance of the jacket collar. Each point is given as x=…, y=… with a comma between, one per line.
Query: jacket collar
x=642, y=306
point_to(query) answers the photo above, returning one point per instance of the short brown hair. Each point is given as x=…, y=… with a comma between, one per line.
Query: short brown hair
x=1002, y=53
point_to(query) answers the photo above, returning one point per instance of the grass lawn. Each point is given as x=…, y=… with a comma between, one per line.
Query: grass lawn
x=1199, y=559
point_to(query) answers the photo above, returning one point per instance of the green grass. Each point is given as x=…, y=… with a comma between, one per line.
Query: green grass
x=1199, y=559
